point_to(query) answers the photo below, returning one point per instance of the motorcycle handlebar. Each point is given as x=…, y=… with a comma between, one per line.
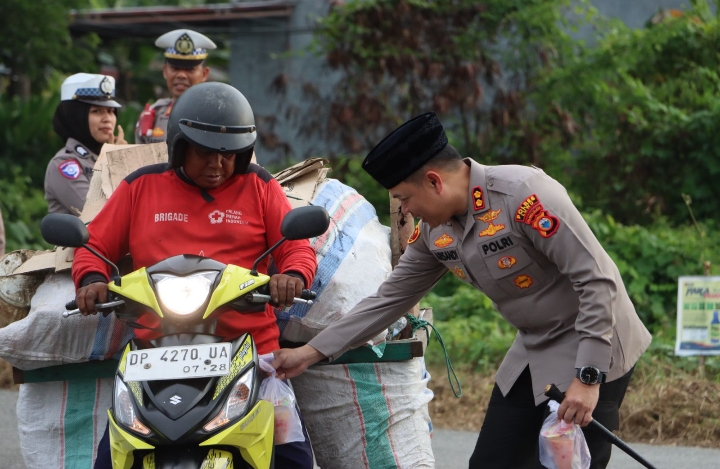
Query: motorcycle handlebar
x=308, y=295
x=71, y=305
x=108, y=305
x=255, y=297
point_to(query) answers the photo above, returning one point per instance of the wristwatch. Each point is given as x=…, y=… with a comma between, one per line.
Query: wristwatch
x=590, y=375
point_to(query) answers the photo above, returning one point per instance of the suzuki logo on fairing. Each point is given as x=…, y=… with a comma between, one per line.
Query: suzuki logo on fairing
x=175, y=400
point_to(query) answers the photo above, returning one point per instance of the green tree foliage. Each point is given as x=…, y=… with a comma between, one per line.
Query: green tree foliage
x=471, y=61
x=27, y=139
x=639, y=115
x=36, y=41
x=23, y=206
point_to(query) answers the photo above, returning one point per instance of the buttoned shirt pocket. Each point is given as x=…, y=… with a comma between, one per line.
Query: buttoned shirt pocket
x=515, y=272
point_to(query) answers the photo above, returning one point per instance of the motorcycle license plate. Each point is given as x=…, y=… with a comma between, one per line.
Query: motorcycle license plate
x=180, y=362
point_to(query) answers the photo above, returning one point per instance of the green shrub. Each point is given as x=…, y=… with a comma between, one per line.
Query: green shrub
x=639, y=114
x=27, y=139
x=23, y=206
x=651, y=259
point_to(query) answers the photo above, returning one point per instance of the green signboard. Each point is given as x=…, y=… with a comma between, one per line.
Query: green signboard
x=698, y=324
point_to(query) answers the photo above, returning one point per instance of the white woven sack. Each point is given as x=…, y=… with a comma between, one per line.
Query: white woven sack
x=353, y=260
x=60, y=423
x=368, y=414
x=45, y=338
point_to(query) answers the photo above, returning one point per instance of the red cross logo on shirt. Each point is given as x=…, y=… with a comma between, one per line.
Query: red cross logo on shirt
x=216, y=216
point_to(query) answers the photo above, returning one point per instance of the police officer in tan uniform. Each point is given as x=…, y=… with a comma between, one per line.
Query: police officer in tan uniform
x=85, y=119
x=513, y=233
x=185, y=54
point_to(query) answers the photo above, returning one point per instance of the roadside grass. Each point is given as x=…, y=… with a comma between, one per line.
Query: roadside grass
x=671, y=400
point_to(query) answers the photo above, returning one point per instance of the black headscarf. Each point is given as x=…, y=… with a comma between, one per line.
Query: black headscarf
x=71, y=121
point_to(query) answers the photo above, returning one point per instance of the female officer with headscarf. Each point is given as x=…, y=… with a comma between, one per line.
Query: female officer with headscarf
x=85, y=119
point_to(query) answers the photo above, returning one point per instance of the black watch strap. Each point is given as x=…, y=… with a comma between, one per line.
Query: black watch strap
x=590, y=375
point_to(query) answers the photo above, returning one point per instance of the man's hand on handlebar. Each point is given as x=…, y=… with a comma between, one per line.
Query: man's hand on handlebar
x=284, y=288
x=90, y=295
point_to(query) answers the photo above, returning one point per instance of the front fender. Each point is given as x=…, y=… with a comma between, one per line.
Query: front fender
x=178, y=457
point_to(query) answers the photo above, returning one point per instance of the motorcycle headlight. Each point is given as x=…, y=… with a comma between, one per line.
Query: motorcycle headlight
x=236, y=402
x=183, y=295
x=124, y=409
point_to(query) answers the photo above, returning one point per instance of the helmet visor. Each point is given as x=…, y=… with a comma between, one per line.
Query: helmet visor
x=220, y=138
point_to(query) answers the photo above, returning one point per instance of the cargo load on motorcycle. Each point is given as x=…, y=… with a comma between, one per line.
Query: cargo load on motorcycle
x=379, y=408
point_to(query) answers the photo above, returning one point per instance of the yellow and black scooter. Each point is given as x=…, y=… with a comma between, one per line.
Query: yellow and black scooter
x=187, y=399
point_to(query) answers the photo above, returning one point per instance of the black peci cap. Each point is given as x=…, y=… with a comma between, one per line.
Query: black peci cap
x=406, y=150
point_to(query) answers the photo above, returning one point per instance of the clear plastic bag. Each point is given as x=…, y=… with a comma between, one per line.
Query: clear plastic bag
x=287, y=421
x=562, y=445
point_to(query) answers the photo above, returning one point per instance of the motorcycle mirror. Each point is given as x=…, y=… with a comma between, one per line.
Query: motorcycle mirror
x=305, y=222
x=299, y=223
x=61, y=229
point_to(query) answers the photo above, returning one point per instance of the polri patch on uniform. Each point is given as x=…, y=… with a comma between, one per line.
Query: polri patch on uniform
x=477, y=197
x=80, y=150
x=527, y=208
x=70, y=169
x=523, y=281
x=505, y=262
x=444, y=241
x=459, y=273
x=545, y=224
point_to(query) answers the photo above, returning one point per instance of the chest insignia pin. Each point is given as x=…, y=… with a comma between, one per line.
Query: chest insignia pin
x=488, y=218
x=506, y=262
x=523, y=281
x=458, y=272
x=443, y=241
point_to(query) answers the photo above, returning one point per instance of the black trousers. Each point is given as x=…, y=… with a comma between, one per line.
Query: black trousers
x=509, y=435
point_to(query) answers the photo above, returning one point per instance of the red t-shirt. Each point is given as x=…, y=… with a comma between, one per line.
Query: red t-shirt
x=154, y=214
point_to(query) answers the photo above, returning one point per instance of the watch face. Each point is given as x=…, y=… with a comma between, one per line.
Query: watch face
x=589, y=375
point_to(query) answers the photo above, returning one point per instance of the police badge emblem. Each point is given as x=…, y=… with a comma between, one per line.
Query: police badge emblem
x=106, y=87
x=184, y=44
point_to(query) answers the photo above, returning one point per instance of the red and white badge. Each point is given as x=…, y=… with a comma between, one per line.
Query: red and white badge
x=70, y=169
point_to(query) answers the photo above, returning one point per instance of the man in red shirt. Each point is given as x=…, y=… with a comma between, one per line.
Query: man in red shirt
x=208, y=200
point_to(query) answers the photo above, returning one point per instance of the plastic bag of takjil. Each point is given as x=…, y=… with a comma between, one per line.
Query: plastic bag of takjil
x=562, y=445
x=288, y=427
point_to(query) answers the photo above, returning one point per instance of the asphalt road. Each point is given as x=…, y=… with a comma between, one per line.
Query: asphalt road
x=452, y=448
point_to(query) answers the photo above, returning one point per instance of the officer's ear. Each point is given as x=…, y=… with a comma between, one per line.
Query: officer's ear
x=435, y=181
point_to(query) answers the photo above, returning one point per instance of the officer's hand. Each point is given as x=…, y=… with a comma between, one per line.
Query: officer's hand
x=120, y=139
x=283, y=288
x=90, y=295
x=289, y=363
x=579, y=403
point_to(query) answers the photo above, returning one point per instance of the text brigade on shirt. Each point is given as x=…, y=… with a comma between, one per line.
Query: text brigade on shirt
x=171, y=216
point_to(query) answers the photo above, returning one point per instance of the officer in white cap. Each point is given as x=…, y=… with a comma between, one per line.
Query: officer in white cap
x=185, y=54
x=85, y=118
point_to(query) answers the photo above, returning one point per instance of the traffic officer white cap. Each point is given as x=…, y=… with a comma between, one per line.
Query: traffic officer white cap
x=89, y=88
x=185, y=48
